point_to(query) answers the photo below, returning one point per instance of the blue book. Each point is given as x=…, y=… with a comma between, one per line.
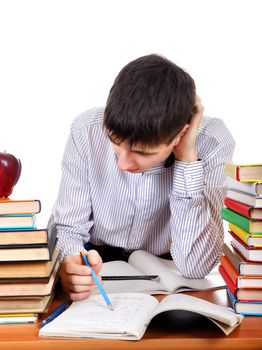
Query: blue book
x=247, y=308
x=17, y=222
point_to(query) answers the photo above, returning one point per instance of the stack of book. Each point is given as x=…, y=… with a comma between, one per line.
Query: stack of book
x=28, y=262
x=241, y=264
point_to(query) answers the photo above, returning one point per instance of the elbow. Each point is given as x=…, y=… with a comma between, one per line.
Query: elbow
x=191, y=272
x=193, y=269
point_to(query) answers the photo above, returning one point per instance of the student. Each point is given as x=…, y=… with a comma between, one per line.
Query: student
x=147, y=172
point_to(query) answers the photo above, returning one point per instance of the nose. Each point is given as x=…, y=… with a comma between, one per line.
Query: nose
x=125, y=161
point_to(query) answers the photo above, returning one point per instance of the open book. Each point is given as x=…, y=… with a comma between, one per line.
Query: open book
x=170, y=280
x=131, y=315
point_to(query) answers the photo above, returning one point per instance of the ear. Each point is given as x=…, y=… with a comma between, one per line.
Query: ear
x=180, y=135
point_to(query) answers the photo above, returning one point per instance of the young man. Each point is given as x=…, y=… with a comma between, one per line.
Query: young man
x=146, y=172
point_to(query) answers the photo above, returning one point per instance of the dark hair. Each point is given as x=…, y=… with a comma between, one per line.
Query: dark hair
x=150, y=102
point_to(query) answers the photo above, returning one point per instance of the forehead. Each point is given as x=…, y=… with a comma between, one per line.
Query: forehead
x=138, y=147
x=146, y=148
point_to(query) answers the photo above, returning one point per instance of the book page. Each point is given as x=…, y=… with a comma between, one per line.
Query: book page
x=222, y=316
x=131, y=315
x=122, y=268
x=92, y=318
x=170, y=278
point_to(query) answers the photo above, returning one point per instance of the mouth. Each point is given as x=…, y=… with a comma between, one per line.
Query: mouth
x=133, y=170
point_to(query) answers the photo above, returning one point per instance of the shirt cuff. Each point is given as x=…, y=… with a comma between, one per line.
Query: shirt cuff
x=188, y=177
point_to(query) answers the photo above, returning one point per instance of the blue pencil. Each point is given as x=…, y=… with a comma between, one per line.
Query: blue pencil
x=61, y=308
x=99, y=285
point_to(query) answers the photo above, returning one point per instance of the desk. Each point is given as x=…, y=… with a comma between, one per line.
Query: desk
x=177, y=330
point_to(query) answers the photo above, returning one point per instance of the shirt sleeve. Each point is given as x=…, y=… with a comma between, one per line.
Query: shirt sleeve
x=198, y=191
x=72, y=212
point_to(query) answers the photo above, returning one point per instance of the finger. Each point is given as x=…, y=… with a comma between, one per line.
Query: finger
x=69, y=286
x=197, y=116
x=198, y=105
x=197, y=99
x=75, y=279
x=79, y=288
x=94, y=260
x=71, y=267
x=78, y=296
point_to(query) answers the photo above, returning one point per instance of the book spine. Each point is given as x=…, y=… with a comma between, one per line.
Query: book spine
x=238, y=173
x=235, y=219
x=243, y=235
x=230, y=284
x=230, y=269
x=17, y=228
x=232, y=256
x=238, y=207
x=232, y=299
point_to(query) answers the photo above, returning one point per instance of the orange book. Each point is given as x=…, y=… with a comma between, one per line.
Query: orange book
x=230, y=269
x=250, y=282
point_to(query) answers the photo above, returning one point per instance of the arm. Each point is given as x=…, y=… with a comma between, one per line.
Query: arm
x=72, y=216
x=72, y=210
x=197, y=196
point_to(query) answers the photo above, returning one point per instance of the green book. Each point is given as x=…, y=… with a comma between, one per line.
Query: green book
x=251, y=226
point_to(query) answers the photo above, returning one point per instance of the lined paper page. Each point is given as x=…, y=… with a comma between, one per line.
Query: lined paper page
x=91, y=317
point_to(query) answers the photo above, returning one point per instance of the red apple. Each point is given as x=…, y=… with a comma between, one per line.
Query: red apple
x=10, y=170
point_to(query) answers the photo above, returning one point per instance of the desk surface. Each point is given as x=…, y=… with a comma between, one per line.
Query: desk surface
x=175, y=330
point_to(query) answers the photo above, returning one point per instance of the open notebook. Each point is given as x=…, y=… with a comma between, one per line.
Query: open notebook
x=131, y=315
x=170, y=280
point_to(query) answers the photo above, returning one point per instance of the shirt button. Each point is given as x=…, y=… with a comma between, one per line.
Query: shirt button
x=189, y=177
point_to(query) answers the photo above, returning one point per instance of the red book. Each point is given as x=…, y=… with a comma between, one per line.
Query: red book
x=230, y=269
x=252, y=281
x=243, y=294
x=230, y=284
x=243, y=209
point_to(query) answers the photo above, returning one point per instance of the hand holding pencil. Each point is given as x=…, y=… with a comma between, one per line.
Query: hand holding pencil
x=77, y=278
x=98, y=283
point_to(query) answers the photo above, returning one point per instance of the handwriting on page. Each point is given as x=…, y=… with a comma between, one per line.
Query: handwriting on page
x=93, y=315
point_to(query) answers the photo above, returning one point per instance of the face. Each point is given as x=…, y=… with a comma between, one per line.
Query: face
x=138, y=158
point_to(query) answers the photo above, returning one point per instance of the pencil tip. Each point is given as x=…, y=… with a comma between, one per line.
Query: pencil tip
x=110, y=306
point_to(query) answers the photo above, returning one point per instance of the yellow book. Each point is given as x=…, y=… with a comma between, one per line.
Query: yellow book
x=244, y=172
x=17, y=315
x=249, y=239
x=18, y=318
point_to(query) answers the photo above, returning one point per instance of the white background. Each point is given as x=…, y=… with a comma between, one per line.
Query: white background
x=59, y=58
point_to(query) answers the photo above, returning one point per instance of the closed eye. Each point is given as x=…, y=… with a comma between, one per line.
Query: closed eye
x=145, y=154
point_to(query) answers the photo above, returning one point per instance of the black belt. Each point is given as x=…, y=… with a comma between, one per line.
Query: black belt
x=109, y=253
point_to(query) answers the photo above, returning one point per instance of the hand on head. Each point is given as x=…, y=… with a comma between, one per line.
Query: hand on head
x=185, y=149
x=76, y=277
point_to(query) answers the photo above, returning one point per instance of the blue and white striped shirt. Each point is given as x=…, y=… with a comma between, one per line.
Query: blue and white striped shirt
x=175, y=209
